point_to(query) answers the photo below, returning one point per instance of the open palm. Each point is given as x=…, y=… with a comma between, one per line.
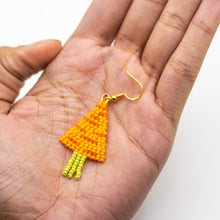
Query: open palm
x=164, y=53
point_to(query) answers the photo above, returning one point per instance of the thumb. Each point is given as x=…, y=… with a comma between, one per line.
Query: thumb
x=18, y=64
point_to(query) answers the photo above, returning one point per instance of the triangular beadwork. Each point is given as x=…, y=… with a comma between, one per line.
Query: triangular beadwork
x=88, y=137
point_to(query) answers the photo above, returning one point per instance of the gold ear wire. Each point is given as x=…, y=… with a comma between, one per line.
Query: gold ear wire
x=106, y=97
x=139, y=83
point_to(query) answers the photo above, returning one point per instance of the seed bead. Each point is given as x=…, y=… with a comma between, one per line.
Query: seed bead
x=78, y=173
x=65, y=173
x=70, y=175
x=77, y=177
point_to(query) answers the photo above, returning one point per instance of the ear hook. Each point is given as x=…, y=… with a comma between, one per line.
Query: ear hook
x=115, y=97
x=139, y=83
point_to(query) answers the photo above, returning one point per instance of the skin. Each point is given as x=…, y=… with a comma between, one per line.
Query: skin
x=163, y=44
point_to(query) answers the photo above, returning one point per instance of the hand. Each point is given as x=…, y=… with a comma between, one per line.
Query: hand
x=163, y=52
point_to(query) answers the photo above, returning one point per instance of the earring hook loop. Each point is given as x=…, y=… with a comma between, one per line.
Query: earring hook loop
x=138, y=82
x=106, y=97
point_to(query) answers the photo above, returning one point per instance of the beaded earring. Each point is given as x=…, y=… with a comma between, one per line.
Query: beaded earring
x=87, y=139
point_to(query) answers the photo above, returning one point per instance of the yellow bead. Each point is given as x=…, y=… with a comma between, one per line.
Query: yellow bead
x=77, y=177
x=65, y=173
x=70, y=175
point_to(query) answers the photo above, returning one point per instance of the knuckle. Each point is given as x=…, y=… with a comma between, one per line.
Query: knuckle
x=151, y=69
x=203, y=27
x=159, y=2
x=124, y=42
x=10, y=61
x=183, y=69
x=173, y=20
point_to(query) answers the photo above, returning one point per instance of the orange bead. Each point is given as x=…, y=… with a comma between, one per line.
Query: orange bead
x=88, y=136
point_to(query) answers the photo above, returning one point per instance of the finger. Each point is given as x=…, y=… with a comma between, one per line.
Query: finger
x=102, y=20
x=17, y=64
x=167, y=34
x=179, y=75
x=138, y=24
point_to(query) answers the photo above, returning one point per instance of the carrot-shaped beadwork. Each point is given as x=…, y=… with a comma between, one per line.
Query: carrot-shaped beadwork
x=87, y=139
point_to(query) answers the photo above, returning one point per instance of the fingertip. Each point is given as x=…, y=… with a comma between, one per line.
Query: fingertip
x=33, y=57
x=50, y=45
x=48, y=42
x=41, y=53
x=54, y=43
